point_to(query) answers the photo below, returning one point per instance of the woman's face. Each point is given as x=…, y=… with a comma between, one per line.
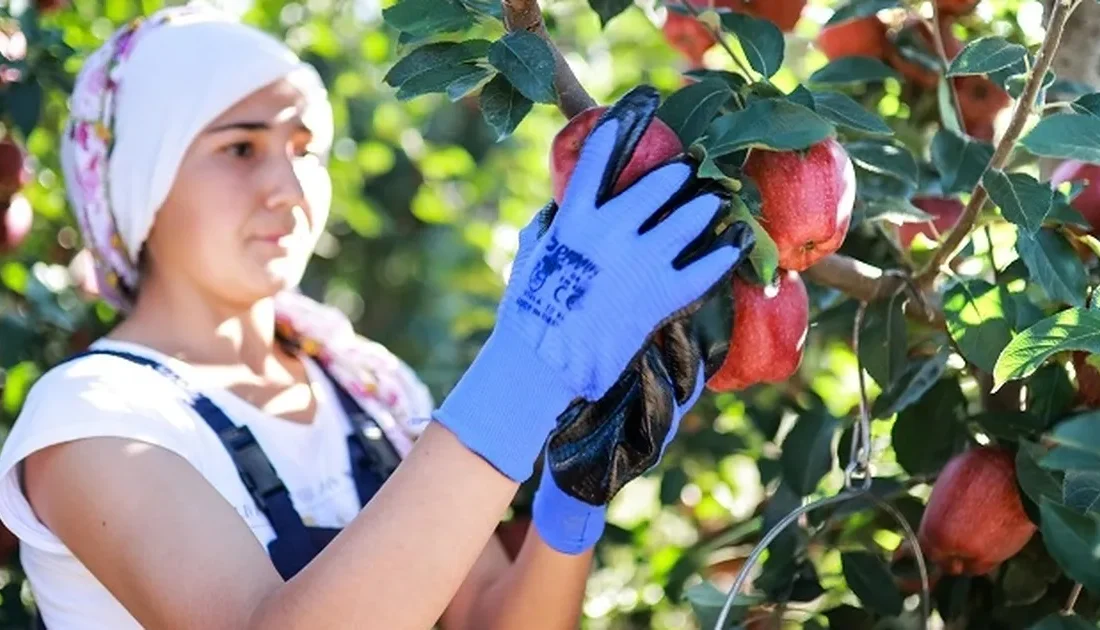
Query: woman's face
x=248, y=203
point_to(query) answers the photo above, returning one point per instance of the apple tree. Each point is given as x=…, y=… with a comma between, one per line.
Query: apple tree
x=912, y=388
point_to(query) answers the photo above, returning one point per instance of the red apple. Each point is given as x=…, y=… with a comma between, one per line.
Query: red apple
x=769, y=333
x=808, y=198
x=975, y=519
x=659, y=143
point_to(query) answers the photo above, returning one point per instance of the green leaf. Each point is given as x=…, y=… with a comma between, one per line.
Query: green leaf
x=1023, y=200
x=492, y=8
x=1081, y=490
x=802, y=96
x=1049, y=393
x=895, y=210
x=1057, y=621
x=985, y=55
x=1071, y=329
x=1077, y=443
x=1089, y=104
x=707, y=602
x=883, y=342
x=761, y=40
x=427, y=17
x=503, y=106
x=880, y=186
x=732, y=79
x=845, y=112
x=884, y=157
x=976, y=320
x=1010, y=425
x=430, y=57
x=860, y=8
x=24, y=104
x=1053, y=265
x=1063, y=213
x=960, y=161
x=527, y=61
x=468, y=83
x=949, y=117
x=774, y=124
x=1074, y=541
x=690, y=110
x=926, y=434
x=765, y=253
x=855, y=69
x=870, y=580
x=608, y=9
x=913, y=383
x=1036, y=481
x=807, y=451
x=1068, y=136
x=441, y=79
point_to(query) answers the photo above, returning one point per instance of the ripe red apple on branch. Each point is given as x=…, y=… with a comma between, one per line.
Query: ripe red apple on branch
x=769, y=333
x=808, y=198
x=859, y=37
x=659, y=143
x=975, y=519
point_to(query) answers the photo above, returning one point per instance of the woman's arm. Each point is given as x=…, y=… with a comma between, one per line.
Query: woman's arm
x=541, y=590
x=177, y=555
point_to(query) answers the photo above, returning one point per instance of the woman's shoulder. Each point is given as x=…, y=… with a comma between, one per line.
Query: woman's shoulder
x=97, y=394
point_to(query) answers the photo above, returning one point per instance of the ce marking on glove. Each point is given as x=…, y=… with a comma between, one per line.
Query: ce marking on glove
x=558, y=283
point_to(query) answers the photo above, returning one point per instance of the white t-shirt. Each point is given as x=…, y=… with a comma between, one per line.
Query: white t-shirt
x=102, y=395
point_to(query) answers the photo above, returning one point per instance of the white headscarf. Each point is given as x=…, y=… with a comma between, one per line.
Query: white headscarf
x=137, y=104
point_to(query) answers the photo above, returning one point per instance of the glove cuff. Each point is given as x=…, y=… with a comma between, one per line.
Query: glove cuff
x=567, y=524
x=506, y=404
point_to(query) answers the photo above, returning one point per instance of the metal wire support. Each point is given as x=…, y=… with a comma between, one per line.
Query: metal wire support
x=772, y=534
x=857, y=483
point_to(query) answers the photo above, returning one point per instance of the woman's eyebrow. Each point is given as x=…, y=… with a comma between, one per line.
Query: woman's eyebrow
x=246, y=125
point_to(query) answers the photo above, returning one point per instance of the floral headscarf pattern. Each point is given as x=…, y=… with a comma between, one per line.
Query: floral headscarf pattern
x=381, y=382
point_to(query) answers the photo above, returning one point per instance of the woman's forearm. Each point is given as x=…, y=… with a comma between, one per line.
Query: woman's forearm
x=399, y=563
x=543, y=589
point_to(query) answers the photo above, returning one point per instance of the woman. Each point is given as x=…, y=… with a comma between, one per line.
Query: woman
x=218, y=459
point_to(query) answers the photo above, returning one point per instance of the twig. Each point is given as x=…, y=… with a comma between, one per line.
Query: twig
x=717, y=34
x=1057, y=24
x=1072, y=601
x=865, y=282
x=525, y=15
x=941, y=50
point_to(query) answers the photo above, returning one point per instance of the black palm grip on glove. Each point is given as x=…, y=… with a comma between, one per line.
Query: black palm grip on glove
x=599, y=446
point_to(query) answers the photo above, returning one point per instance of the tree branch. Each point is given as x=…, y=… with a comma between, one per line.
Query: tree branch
x=1062, y=10
x=525, y=15
x=867, y=283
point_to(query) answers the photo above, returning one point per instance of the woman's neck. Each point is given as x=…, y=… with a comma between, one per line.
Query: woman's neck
x=201, y=331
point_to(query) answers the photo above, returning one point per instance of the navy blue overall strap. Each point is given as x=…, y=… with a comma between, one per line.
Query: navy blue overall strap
x=373, y=457
x=253, y=466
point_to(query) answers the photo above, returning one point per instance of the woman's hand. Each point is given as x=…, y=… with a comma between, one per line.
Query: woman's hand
x=607, y=272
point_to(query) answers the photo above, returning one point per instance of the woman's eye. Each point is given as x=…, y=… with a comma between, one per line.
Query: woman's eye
x=242, y=149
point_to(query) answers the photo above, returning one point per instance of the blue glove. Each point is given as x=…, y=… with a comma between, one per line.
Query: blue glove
x=572, y=526
x=601, y=279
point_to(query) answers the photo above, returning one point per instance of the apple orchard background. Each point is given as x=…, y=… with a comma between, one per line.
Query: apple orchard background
x=974, y=341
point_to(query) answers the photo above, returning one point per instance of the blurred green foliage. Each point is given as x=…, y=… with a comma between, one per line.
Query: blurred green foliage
x=426, y=209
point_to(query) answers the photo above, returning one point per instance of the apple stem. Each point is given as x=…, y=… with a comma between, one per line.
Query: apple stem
x=526, y=15
x=717, y=33
x=1024, y=106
